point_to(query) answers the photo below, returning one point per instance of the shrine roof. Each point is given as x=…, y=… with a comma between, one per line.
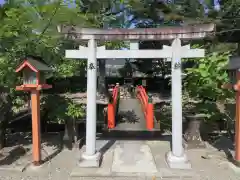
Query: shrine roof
x=162, y=33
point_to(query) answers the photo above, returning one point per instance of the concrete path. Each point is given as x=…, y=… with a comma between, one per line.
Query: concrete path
x=132, y=156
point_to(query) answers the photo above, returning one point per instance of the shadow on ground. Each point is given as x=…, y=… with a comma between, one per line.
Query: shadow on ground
x=13, y=155
x=19, y=147
x=128, y=117
x=134, y=135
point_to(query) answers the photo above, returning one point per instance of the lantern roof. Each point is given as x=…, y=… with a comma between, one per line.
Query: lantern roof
x=234, y=63
x=35, y=63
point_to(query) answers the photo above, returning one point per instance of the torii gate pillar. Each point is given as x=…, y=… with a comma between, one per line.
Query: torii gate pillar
x=91, y=158
x=177, y=158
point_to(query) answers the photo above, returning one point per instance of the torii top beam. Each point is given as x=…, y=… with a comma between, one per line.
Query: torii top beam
x=146, y=34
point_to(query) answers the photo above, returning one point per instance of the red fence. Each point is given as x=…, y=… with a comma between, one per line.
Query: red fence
x=147, y=106
x=112, y=106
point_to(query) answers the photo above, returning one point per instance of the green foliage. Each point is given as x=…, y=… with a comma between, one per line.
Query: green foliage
x=59, y=109
x=69, y=68
x=32, y=29
x=205, y=79
x=7, y=77
x=75, y=110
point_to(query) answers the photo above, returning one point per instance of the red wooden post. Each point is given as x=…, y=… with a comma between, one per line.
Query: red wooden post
x=237, y=128
x=237, y=123
x=36, y=134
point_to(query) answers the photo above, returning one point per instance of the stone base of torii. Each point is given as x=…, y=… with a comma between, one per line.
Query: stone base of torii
x=176, y=158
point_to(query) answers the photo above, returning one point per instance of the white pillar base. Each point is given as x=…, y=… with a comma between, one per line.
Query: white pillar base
x=87, y=161
x=175, y=162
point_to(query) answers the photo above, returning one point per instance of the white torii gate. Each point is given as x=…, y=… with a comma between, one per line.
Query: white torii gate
x=176, y=158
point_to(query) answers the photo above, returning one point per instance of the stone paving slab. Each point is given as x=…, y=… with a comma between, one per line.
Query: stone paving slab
x=159, y=150
x=112, y=168
x=106, y=148
x=103, y=170
x=133, y=158
x=152, y=166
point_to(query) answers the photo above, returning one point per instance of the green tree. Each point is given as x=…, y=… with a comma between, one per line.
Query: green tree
x=32, y=29
x=208, y=75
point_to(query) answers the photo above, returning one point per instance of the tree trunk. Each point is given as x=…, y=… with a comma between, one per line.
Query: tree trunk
x=192, y=134
x=44, y=121
x=5, y=114
x=75, y=131
x=68, y=134
x=105, y=117
x=2, y=134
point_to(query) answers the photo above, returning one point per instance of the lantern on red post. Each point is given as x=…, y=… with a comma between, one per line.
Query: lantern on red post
x=233, y=69
x=33, y=71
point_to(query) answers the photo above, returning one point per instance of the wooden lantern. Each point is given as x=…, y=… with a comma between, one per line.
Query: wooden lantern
x=234, y=76
x=33, y=70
